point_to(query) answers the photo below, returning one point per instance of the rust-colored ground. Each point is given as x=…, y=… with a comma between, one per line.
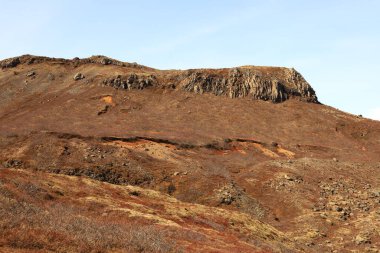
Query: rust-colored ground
x=90, y=168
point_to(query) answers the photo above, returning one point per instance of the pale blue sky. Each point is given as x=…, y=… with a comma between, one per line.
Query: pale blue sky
x=334, y=44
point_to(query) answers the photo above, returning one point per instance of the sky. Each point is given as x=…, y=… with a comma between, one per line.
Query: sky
x=334, y=44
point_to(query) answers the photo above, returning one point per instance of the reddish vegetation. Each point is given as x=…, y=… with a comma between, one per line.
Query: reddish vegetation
x=86, y=166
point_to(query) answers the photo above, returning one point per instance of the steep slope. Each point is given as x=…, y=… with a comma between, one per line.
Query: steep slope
x=252, y=141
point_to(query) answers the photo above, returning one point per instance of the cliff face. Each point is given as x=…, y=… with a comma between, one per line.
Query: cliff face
x=252, y=82
x=262, y=83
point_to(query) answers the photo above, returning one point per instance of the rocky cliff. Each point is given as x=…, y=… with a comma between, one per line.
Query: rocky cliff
x=262, y=83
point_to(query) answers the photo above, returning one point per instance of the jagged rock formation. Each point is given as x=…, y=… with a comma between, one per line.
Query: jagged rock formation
x=131, y=81
x=250, y=82
x=262, y=83
x=10, y=63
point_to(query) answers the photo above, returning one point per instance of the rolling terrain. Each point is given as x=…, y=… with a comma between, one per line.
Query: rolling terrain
x=98, y=155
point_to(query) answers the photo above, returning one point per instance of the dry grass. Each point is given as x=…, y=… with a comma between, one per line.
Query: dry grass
x=41, y=212
x=63, y=227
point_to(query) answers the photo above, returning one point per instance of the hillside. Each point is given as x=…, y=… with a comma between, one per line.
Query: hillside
x=135, y=159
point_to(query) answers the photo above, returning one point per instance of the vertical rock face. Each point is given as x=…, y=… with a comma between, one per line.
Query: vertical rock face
x=272, y=84
x=250, y=82
x=132, y=81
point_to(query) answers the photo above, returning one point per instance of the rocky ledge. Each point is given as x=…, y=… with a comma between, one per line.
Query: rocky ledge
x=274, y=84
x=264, y=83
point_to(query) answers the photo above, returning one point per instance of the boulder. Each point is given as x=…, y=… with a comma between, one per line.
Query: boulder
x=78, y=76
x=106, y=61
x=31, y=73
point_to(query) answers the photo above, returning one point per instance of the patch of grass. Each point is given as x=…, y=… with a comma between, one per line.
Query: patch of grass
x=61, y=227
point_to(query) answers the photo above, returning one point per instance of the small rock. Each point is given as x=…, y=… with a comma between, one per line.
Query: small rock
x=78, y=76
x=31, y=73
x=104, y=110
x=335, y=160
x=134, y=193
x=362, y=239
x=176, y=173
x=274, y=144
x=12, y=163
x=105, y=61
x=287, y=177
x=51, y=77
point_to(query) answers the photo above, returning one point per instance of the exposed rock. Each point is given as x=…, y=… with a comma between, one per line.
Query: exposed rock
x=231, y=194
x=78, y=76
x=105, y=61
x=362, y=239
x=10, y=63
x=315, y=233
x=51, y=77
x=228, y=193
x=262, y=83
x=104, y=110
x=131, y=81
x=134, y=193
x=249, y=82
x=31, y=73
x=171, y=188
x=274, y=144
x=12, y=163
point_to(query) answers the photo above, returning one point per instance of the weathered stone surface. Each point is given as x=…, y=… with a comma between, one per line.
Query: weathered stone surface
x=31, y=73
x=260, y=83
x=362, y=239
x=249, y=82
x=78, y=76
x=10, y=63
x=105, y=61
x=132, y=81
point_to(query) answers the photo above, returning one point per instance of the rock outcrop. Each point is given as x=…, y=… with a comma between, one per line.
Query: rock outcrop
x=260, y=83
x=249, y=82
x=132, y=81
x=78, y=76
x=276, y=86
x=10, y=63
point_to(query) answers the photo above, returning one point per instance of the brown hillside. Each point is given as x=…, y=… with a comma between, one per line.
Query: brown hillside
x=135, y=159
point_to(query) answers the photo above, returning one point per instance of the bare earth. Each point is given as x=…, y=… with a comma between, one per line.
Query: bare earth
x=97, y=155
